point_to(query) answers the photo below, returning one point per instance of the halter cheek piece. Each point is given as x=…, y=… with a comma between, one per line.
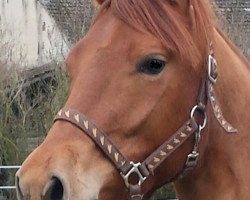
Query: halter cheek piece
x=146, y=168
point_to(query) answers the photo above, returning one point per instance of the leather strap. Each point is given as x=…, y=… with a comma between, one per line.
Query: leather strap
x=97, y=135
x=144, y=169
x=135, y=192
x=167, y=148
x=211, y=80
x=150, y=164
x=217, y=111
x=118, y=159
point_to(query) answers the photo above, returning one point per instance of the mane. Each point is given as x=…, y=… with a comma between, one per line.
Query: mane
x=162, y=19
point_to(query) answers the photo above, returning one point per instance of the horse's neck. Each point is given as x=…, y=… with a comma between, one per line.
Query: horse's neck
x=225, y=159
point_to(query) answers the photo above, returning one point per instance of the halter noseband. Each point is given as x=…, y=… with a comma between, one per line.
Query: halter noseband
x=146, y=168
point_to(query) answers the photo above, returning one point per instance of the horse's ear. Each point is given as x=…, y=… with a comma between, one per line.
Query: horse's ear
x=185, y=7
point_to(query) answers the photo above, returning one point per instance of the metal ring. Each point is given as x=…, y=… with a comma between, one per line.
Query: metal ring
x=204, y=122
x=135, y=170
x=196, y=108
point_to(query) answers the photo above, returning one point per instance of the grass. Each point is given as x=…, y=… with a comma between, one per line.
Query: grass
x=26, y=113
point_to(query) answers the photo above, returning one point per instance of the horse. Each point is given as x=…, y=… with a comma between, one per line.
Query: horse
x=158, y=94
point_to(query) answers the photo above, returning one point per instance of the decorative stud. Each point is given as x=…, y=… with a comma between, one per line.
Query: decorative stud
x=229, y=128
x=223, y=122
x=116, y=157
x=211, y=88
x=94, y=131
x=123, y=163
x=163, y=153
x=156, y=160
x=77, y=118
x=151, y=167
x=109, y=148
x=67, y=113
x=219, y=115
x=183, y=135
x=219, y=112
x=102, y=140
x=212, y=98
x=176, y=141
x=189, y=128
x=60, y=113
x=216, y=108
x=86, y=124
x=169, y=147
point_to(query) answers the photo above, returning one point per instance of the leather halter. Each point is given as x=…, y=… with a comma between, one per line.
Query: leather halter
x=147, y=167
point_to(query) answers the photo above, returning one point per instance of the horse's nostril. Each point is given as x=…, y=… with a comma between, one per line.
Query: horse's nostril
x=18, y=189
x=53, y=190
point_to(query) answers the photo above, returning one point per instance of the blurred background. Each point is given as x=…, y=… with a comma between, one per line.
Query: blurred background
x=35, y=37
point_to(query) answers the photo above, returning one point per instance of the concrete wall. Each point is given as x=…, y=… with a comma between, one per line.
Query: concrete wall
x=236, y=15
x=28, y=35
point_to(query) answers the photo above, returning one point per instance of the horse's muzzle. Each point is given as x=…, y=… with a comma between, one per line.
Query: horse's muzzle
x=53, y=190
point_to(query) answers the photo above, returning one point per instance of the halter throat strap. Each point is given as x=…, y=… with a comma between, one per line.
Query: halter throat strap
x=149, y=165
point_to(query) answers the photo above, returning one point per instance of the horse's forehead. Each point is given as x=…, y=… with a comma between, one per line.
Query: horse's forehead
x=109, y=34
x=109, y=27
x=107, y=31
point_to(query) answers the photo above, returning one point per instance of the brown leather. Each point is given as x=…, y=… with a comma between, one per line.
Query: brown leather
x=211, y=80
x=135, y=192
x=202, y=98
x=150, y=164
x=168, y=147
x=217, y=111
x=118, y=159
x=98, y=136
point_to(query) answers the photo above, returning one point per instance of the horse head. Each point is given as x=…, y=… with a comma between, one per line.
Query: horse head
x=135, y=75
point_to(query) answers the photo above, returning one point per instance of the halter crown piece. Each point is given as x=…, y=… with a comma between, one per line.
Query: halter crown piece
x=147, y=167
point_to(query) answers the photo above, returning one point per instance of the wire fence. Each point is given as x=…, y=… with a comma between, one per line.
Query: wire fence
x=8, y=187
x=13, y=187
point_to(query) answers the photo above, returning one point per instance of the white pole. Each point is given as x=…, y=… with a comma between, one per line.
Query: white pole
x=10, y=167
x=7, y=187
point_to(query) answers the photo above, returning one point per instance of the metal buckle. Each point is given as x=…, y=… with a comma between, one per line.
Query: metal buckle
x=192, y=159
x=211, y=63
x=135, y=170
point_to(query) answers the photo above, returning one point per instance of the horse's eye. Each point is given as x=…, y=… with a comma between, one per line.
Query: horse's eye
x=151, y=65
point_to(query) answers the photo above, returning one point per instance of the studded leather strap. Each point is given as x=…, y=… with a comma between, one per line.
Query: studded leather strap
x=149, y=165
x=211, y=80
x=169, y=146
x=217, y=111
x=118, y=159
x=98, y=136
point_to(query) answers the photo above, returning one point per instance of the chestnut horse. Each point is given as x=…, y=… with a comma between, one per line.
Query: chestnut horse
x=135, y=78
